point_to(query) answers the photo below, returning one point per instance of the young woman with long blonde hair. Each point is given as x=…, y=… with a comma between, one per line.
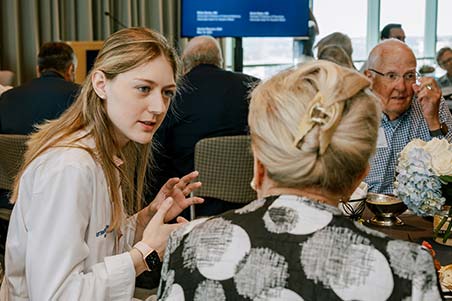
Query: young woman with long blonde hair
x=69, y=236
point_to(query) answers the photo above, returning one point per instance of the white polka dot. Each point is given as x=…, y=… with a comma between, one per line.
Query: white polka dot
x=209, y=290
x=278, y=294
x=378, y=283
x=233, y=252
x=176, y=293
x=307, y=219
x=262, y=270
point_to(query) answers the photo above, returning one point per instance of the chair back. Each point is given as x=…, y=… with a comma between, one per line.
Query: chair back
x=12, y=149
x=225, y=166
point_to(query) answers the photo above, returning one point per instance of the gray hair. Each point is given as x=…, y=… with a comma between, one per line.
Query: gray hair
x=338, y=39
x=335, y=54
x=202, y=50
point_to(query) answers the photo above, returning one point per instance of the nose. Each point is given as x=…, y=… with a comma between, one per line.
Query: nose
x=156, y=103
x=400, y=84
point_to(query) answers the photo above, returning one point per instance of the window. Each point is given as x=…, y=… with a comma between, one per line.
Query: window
x=409, y=13
x=444, y=32
x=263, y=57
x=345, y=16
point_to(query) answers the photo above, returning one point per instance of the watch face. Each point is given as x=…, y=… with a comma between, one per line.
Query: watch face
x=153, y=261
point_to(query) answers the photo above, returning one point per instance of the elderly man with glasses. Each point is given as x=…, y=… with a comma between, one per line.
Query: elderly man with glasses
x=412, y=108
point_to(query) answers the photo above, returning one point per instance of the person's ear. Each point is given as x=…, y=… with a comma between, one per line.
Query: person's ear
x=367, y=73
x=259, y=174
x=69, y=74
x=99, y=82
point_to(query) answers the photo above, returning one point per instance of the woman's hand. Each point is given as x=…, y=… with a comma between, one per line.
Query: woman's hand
x=177, y=189
x=156, y=233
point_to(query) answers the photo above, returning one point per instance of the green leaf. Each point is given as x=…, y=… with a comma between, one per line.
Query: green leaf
x=447, y=233
x=439, y=226
x=447, y=179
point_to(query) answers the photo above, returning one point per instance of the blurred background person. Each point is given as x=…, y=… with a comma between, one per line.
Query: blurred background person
x=444, y=60
x=340, y=40
x=393, y=31
x=293, y=243
x=212, y=102
x=336, y=55
x=44, y=97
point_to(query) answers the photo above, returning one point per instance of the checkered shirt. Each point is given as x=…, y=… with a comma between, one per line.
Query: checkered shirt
x=399, y=133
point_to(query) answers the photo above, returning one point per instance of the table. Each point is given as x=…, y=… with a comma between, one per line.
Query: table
x=415, y=229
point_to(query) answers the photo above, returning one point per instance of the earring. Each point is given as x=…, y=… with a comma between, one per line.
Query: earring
x=253, y=184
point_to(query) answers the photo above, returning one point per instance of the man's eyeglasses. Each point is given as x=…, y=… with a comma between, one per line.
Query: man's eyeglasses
x=392, y=76
x=446, y=62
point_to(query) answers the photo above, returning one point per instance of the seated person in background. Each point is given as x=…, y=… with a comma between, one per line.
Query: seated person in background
x=410, y=109
x=444, y=60
x=337, y=39
x=43, y=98
x=393, y=31
x=336, y=55
x=211, y=103
x=293, y=243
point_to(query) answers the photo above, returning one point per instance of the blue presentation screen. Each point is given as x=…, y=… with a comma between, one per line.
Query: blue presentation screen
x=245, y=18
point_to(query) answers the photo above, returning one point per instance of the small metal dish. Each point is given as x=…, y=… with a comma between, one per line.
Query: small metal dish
x=386, y=209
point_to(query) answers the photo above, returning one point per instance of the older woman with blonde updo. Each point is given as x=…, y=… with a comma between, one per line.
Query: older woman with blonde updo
x=313, y=130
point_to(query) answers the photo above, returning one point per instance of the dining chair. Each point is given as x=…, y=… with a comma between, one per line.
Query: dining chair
x=225, y=166
x=12, y=149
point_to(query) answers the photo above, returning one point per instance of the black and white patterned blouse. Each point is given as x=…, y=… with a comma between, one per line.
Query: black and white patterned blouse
x=291, y=248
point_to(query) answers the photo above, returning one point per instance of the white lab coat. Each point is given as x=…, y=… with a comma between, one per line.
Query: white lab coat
x=57, y=246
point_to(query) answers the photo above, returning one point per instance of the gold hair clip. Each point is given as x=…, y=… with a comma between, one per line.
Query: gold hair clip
x=316, y=114
x=327, y=112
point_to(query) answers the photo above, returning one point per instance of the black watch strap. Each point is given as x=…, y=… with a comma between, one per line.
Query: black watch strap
x=153, y=261
x=442, y=131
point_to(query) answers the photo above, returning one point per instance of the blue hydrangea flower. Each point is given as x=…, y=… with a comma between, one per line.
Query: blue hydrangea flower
x=416, y=183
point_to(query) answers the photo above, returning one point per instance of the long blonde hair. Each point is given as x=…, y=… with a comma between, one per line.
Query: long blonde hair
x=121, y=52
x=296, y=147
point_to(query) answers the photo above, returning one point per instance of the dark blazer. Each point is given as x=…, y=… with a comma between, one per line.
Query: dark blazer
x=42, y=98
x=212, y=102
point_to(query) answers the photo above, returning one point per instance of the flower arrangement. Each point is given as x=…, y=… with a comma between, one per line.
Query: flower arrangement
x=422, y=170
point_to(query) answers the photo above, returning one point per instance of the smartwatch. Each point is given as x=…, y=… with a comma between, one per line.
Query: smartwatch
x=150, y=257
x=442, y=131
